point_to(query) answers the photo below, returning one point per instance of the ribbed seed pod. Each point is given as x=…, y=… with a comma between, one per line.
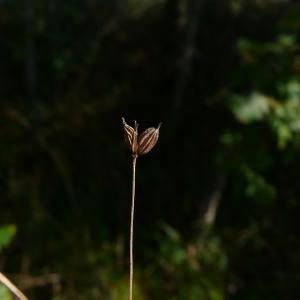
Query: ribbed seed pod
x=130, y=135
x=147, y=140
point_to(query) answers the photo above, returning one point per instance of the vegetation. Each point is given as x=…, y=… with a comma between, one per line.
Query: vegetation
x=217, y=199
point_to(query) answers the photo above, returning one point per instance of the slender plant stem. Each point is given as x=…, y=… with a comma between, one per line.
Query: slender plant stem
x=12, y=287
x=134, y=157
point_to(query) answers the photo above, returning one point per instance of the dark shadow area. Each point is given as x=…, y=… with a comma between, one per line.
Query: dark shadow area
x=217, y=198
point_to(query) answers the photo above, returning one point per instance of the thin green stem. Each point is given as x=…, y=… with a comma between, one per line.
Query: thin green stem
x=134, y=157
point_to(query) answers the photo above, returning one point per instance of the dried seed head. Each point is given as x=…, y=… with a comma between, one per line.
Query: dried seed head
x=130, y=135
x=148, y=139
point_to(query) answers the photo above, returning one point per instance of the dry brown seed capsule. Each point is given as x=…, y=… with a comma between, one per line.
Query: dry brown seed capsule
x=148, y=139
x=130, y=135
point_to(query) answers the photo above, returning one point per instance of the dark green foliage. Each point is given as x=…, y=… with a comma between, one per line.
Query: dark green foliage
x=222, y=76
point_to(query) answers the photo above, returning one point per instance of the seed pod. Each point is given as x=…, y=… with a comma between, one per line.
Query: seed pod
x=130, y=135
x=148, y=139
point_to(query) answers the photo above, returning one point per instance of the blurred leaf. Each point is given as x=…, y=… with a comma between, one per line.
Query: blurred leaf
x=283, y=132
x=170, y=232
x=6, y=235
x=216, y=295
x=257, y=187
x=286, y=40
x=253, y=108
x=5, y=294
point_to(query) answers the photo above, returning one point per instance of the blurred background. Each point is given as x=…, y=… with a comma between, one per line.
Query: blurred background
x=217, y=212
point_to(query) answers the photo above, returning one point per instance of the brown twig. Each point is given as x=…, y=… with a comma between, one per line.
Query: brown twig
x=134, y=157
x=12, y=287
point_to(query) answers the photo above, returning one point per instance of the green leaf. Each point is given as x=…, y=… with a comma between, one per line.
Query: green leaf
x=257, y=187
x=252, y=108
x=216, y=294
x=6, y=235
x=4, y=293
